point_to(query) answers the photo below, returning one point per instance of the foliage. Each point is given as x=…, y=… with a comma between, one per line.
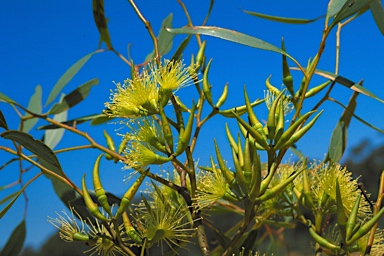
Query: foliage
x=163, y=130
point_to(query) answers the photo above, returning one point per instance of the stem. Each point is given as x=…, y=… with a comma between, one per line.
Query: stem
x=149, y=28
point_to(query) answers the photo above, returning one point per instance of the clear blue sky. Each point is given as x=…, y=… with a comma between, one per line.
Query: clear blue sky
x=42, y=39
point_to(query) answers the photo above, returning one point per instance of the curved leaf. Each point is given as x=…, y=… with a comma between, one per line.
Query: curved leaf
x=359, y=118
x=164, y=38
x=3, y=123
x=101, y=21
x=282, y=19
x=16, y=241
x=346, y=82
x=230, y=35
x=34, y=106
x=342, y=9
x=5, y=98
x=179, y=52
x=339, y=136
x=67, y=76
x=378, y=14
x=9, y=205
x=37, y=147
x=53, y=137
x=74, y=97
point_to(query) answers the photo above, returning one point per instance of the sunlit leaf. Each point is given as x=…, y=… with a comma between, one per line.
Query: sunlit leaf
x=282, y=19
x=53, y=137
x=5, y=98
x=3, y=123
x=342, y=9
x=67, y=76
x=101, y=119
x=9, y=197
x=37, y=147
x=230, y=35
x=74, y=97
x=378, y=14
x=101, y=21
x=339, y=136
x=16, y=241
x=35, y=105
x=346, y=82
x=9, y=205
x=359, y=118
x=179, y=52
x=164, y=38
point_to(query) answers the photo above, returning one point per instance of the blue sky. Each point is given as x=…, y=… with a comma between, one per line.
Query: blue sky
x=42, y=39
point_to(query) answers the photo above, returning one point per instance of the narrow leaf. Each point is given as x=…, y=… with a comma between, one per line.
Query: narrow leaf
x=67, y=76
x=359, y=118
x=378, y=14
x=282, y=19
x=211, y=3
x=340, y=134
x=53, y=137
x=36, y=147
x=347, y=83
x=164, y=38
x=101, y=21
x=348, y=8
x=5, y=98
x=230, y=35
x=3, y=123
x=16, y=241
x=9, y=197
x=179, y=52
x=9, y=205
x=74, y=97
x=35, y=105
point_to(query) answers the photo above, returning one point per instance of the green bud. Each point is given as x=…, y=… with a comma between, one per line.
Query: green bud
x=206, y=86
x=99, y=191
x=110, y=144
x=92, y=207
x=270, y=87
x=223, y=96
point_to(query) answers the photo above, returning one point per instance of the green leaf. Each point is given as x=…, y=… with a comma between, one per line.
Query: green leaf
x=35, y=105
x=101, y=119
x=3, y=123
x=9, y=197
x=53, y=137
x=358, y=118
x=179, y=52
x=378, y=14
x=16, y=241
x=74, y=97
x=101, y=21
x=67, y=76
x=250, y=240
x=282, y=19
x=37, y=147
x=76, y=121
x=346, y=82
x=3, y=97
x=6, y=208
x=211, y=3
x=230, y=35
x=165, y=39
x=339, y=136
x=342, y=9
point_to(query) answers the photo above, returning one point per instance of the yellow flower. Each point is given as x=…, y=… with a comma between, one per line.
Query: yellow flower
x=102, y=242
x=69, y=229
x=270, y=97
x=138, y=97
x=323, y=183
x=173, y=75
x=160, y=221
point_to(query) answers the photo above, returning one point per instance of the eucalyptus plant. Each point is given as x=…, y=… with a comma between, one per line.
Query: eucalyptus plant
x=162, y=129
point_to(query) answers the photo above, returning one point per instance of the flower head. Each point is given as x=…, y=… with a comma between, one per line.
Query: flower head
x=162, y=222
x=146, y=145
x=270, y=97
x=137, y=97
x=69, y=228
x=173, y=75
